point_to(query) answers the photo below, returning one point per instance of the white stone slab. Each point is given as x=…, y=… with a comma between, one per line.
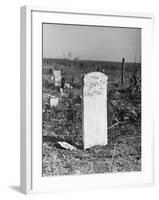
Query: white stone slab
x=52, y=78
x=94, y=109
x=57, y=75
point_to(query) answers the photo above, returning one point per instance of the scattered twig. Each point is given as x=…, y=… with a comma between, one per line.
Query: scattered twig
x=125, y=137
x=111, y=162
x=116, y=124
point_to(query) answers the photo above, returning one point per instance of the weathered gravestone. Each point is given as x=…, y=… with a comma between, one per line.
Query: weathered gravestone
x=52, y=78
x=57, y=75
x=95, y=109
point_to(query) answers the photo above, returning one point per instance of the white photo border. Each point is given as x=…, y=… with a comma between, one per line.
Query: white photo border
x=32, y=181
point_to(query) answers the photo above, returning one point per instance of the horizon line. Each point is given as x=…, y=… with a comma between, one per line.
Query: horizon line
x=79, y=60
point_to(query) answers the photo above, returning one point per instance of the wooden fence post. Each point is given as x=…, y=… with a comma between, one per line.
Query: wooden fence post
x=122, y=71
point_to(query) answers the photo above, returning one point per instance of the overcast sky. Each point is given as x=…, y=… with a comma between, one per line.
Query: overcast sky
x=91, y=43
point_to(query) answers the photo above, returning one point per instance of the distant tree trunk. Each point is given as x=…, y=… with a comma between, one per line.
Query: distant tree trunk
x=122, y=71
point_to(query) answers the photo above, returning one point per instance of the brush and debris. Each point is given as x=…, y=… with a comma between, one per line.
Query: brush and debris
x=63, y=152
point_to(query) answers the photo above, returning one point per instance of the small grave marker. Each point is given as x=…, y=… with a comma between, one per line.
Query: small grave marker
x=95, y=109
x=57, y=75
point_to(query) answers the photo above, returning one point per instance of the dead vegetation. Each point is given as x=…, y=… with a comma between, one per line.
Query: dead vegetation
x=64, y=123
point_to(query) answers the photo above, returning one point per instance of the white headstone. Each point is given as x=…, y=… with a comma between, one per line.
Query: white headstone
x=95, y=109
x=52, y=78
x=57, y=75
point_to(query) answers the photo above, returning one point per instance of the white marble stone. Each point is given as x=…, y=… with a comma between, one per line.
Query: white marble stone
x=57, y=75
x=94, y=109
x=52, y=78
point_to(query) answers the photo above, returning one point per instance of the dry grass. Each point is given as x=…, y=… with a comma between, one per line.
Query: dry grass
x=123, y=152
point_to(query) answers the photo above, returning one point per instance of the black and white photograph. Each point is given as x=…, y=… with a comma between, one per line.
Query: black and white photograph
x=91, y=99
